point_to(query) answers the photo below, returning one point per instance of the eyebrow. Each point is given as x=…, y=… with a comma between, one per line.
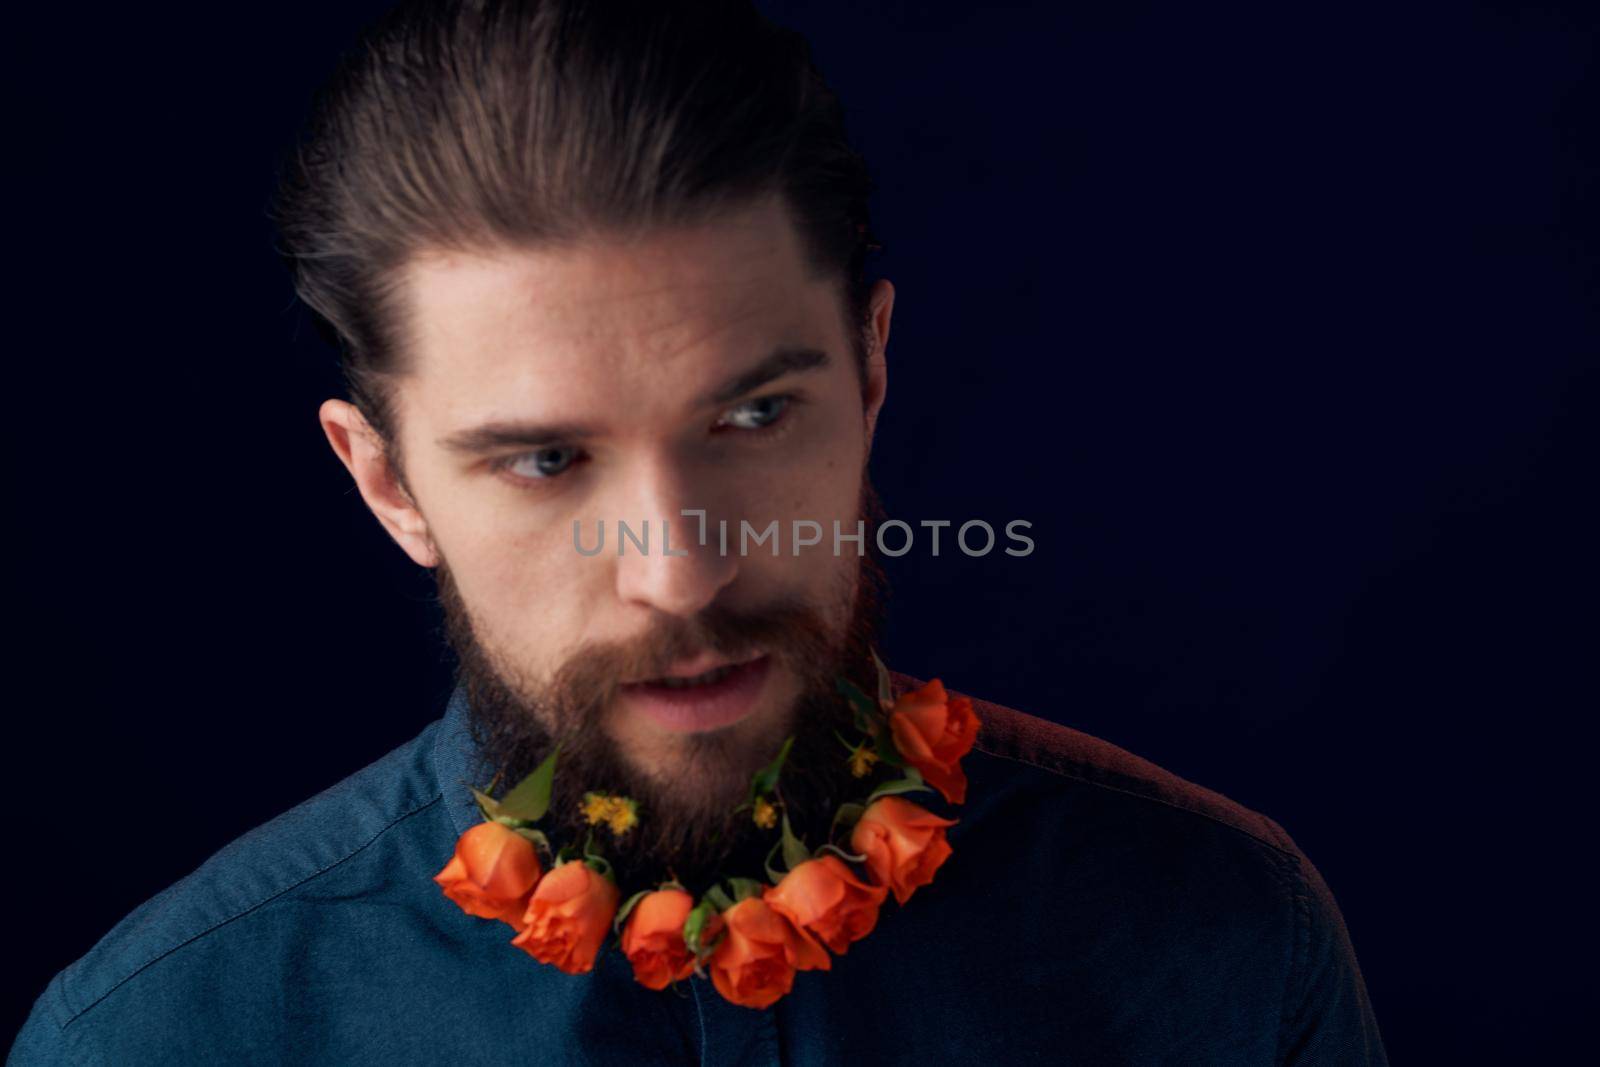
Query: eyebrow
x=492, y=436
x=499, y=434
x=783, y=360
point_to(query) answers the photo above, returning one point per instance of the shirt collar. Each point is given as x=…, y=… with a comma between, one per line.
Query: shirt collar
x=457, y=763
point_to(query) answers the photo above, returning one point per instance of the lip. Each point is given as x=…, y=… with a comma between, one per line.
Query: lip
x=699, y=664
x=702, y=707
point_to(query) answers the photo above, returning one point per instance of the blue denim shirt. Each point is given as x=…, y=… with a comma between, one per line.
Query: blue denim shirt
x=1096, y=910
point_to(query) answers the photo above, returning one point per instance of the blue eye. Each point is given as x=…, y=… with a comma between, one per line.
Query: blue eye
x=543, y=462
x=756, y=414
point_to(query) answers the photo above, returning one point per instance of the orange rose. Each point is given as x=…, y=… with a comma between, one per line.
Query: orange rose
x=652, y=938
x=492, y=872
x=568, y=916
x=932, y=732
x=824, y=898
x=904, y=844
x=755, y=962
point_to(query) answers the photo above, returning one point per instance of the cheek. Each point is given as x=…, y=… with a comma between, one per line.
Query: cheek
x=831, y=484
x=522, y=582
x=818, y=473
x=818, y=479
x=830, y=493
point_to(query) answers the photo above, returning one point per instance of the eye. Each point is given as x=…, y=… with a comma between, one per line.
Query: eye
x=541, y=463
x=756, y=414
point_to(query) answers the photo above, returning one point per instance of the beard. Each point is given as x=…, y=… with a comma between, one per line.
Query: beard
x=690, y=828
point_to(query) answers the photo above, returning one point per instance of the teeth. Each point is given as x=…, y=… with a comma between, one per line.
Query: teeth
x=714, y=675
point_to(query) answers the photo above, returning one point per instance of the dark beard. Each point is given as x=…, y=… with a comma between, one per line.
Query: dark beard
x=695, y=837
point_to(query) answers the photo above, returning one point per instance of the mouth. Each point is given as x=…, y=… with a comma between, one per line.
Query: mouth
x=708, y=699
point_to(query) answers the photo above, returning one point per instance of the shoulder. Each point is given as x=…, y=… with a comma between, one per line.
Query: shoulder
x=1089, y=809
x=1017, y=737
x=1083, y=807
x=1070, y=794
x=313, y=841
x=1210, y=880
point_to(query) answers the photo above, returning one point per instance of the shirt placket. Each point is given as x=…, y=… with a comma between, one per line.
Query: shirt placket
x=733, y=1036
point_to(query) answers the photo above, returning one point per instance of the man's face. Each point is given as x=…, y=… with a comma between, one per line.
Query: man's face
x=629, y=379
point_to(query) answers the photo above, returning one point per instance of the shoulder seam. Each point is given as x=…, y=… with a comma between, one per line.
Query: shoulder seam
x=1064, y=773
x=1300, y=897
x=1284, y=849
x=57, y=990
x=81, y=1012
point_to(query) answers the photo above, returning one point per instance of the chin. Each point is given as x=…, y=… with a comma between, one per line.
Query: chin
x=720, y=762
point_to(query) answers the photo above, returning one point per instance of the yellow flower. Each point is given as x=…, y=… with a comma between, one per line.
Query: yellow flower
x=596, y=808
x=765, y=815
x=620, y=814
x=861, y=761
x=624, y=815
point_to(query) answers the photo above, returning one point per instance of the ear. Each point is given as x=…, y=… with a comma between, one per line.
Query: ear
x=877, y=383
x=361, y=450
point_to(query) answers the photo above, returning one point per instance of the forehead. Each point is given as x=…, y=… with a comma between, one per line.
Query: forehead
x=642, y=307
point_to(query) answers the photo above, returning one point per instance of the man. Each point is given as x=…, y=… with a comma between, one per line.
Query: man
x=598, y=264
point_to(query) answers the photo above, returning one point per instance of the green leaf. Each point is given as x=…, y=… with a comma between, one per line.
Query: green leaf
x=744, y=888
x=536, y=836
x=531, y=797
x=488, y=805
x=866, y=723
x=911, y=783
x=694, y=926
x=887, y=750
x=836, y=850
x=852, y=692
x=847, y=815
x=627, y=906
x=885, y=687
x=773, y=874
x=595, y=860
x=794, y=850
x=766, y=779
x=719, y=897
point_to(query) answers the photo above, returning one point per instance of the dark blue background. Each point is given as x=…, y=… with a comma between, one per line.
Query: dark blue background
x=1278, y=323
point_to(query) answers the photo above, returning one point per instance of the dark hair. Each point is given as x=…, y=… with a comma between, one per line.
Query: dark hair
x=466, y=124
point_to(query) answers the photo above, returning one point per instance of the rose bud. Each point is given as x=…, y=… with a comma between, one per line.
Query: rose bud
x=755, y=962
x=933, y=731
x=652, y=938
x=568, y=917
x=823, y=897
x=492, y=872
x=903, y=843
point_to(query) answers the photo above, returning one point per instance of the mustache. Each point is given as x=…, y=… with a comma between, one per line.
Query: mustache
x=790, y=630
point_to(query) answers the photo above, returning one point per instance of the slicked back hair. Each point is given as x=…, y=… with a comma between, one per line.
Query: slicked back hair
x=480, y=124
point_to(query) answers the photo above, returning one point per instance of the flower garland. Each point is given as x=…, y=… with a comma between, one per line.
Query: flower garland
x=749, y=936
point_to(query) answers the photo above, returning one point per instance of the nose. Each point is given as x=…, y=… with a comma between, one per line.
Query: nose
x=690, y=578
